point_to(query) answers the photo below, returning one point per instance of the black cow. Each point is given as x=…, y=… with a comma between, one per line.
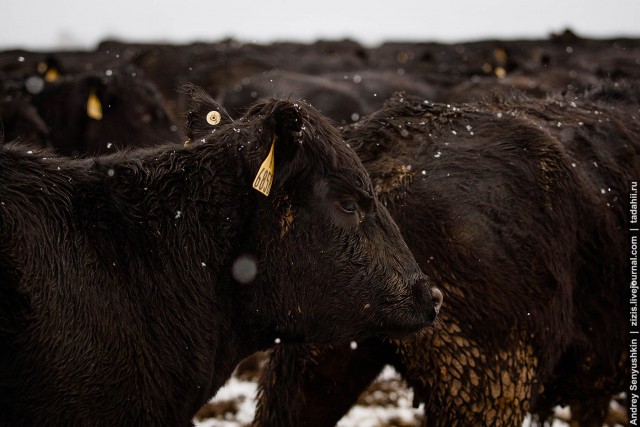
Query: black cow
x=19, y=119
x=520, y=210
x=98, y=113
x=451, y=72
x=81, y=103
x=344, y=97
x=335, y=99
x=132, y=284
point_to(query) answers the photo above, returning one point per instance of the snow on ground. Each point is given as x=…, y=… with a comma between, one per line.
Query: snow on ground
x=239, y=396
x=389, y=404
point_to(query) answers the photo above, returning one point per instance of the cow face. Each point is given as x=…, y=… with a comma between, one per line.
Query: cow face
x=327, y=262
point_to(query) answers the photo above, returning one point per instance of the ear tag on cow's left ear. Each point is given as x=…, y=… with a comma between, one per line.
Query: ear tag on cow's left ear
x=264, y=178
x=51, y=75
x=94, y=107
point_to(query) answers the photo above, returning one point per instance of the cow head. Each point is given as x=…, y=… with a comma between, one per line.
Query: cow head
x=91, y=113
x=322, y=260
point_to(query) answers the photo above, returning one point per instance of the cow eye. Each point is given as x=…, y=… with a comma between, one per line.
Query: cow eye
x=348, y=206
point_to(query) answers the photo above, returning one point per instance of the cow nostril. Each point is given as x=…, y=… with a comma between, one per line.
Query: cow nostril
x=436, y=297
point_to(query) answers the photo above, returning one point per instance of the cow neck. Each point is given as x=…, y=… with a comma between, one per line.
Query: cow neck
x=182, y=207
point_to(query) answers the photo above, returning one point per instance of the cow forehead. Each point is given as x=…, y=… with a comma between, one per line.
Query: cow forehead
x=351, y=167
x=352, y=181
x=325, y=146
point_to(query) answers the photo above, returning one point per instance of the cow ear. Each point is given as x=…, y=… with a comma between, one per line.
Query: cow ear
x=287, y=124
x=281, y=148
x=204, y=115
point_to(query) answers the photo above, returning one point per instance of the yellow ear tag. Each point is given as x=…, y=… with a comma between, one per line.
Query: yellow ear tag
x=264, y=178
x=94, y=107
x=51, y=75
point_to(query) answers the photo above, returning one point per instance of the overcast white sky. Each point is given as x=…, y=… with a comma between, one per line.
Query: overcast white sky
x=40, y=24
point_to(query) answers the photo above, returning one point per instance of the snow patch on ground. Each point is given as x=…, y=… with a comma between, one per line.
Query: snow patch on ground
x=389, y=404
x=243, y=393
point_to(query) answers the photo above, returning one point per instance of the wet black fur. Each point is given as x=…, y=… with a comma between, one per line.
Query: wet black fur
x=523, y=218
x=117, y=304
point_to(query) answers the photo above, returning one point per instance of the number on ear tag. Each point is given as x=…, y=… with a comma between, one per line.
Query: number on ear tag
x=264, y=178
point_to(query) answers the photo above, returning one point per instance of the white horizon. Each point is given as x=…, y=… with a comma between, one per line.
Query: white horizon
x=75, y=24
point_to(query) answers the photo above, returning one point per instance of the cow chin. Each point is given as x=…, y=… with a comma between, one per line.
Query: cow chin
x=393, y=324
x=399, y=322
x=406, y=318
x=403, y=331
x=403, y=324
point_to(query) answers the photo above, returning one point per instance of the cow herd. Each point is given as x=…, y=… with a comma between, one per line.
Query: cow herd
x=166, y=211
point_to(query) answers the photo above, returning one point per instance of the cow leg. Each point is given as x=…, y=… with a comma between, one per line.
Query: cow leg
x=317, y=385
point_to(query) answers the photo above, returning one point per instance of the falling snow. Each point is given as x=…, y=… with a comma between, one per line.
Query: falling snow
x=244, y=269
x=34, y=85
